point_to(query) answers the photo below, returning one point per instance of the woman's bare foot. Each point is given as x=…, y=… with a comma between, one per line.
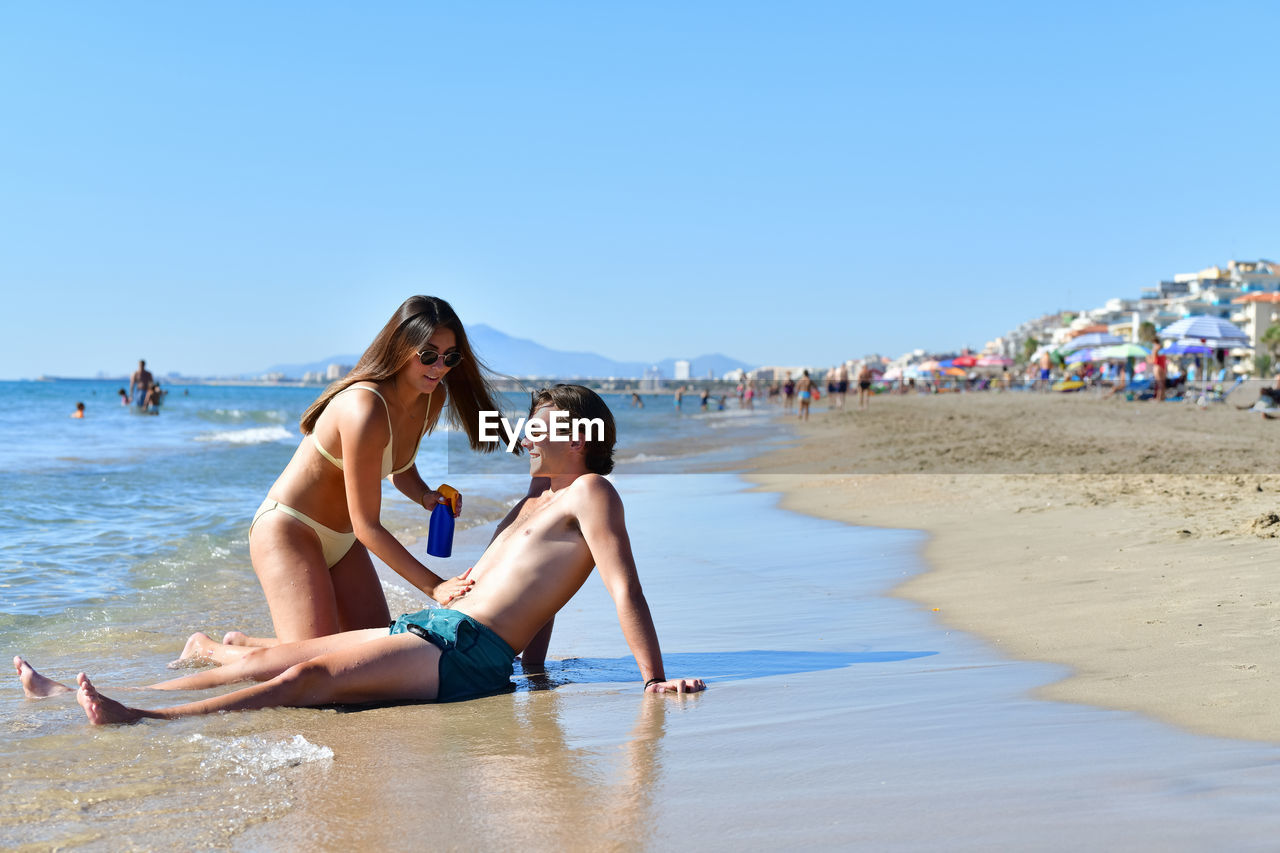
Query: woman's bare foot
x=197, y=652
x=99, y=709
x=35, y=685
x=240, y=638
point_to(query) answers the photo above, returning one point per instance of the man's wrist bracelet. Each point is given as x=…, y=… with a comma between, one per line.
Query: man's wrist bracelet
x=651, y=681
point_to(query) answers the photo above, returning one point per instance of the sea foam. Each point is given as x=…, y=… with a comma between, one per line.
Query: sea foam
x=256, y=756
x=255, y=435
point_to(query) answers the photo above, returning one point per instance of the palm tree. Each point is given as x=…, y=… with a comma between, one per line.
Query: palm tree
x=1271, y=340
x=1029, y=349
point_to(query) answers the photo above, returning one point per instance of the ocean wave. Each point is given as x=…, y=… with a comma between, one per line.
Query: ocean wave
x=253, y=435
x=646, y=457
x=239, y=416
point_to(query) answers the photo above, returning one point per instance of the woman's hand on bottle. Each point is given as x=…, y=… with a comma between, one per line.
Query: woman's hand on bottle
x=433, y=497
x=448, y=590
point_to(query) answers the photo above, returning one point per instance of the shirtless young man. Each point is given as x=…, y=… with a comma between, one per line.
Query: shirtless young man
x=570, y=521
x=140, y=383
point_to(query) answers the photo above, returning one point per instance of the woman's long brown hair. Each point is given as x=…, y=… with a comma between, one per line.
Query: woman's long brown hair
x=467, y=387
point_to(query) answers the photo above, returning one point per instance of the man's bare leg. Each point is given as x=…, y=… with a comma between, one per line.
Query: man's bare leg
x=35, y=685
x=398, y=667
x=246, y=663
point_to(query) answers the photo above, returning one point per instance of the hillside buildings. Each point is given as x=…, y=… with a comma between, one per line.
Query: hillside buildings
x=1245, y=292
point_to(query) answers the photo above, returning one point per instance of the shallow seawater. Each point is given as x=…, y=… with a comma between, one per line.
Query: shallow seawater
x=124, y=533
x=836, y=716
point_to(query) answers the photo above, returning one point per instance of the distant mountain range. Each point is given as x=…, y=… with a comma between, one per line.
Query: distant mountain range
x=520, y=358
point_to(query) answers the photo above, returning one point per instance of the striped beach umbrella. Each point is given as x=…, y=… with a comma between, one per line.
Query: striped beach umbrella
x=1207, y=331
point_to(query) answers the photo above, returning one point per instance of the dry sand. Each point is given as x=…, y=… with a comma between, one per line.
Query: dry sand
x=1133, y=541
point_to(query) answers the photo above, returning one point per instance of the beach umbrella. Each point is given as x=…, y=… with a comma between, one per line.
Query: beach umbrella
x=1186, y=349
x=954, y=371
x=1093, y=339
x=964, y=361
x=928, y=366
x=994, y=361
x=893, y=373
x=1124, y=351
x=1207, y=331
x=1082, y=355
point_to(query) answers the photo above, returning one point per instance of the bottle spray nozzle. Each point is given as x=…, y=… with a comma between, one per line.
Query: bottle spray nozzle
x=450, y=494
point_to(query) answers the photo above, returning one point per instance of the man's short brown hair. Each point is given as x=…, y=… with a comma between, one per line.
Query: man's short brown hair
x=582, y=402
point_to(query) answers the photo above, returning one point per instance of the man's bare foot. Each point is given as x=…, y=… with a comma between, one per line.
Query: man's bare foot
x=35, y=685
x=99, y=709
x=197, y=652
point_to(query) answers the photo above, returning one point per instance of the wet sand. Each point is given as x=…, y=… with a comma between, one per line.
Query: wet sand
x=835, y=717
x=1131, y=541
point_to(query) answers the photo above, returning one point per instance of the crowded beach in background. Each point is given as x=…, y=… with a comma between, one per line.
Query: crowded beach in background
x=1202, y=337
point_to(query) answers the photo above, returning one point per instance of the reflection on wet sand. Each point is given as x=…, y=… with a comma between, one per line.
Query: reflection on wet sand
x=543, y=769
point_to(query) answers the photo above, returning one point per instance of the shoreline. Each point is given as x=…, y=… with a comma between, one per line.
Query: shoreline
x=1153, y=588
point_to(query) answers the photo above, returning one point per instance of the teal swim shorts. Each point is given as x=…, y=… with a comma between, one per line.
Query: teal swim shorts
x=474, y=661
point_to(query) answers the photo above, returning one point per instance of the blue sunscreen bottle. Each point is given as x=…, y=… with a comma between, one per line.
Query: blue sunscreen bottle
x=440, y=533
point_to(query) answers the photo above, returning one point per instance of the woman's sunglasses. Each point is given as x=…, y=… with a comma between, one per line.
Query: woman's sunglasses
x=451, y=359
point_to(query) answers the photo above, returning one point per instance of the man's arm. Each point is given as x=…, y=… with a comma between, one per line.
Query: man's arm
x=534, y=656
x=601, y=519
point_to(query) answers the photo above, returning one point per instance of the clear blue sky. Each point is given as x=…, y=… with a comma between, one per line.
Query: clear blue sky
x=218, y=187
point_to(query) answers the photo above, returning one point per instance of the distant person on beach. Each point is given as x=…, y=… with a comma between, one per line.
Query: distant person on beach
x=749, y=395
x=804, y=391
x=842, y=384
x=864, y=385
x=140, y=384
x=310, y=539
x=788, y=393
x=569, y=522
x=1046, y=370
x=124, y=397
x=636, y=401
x=679, y=396
x=1159, y=369
x=1271, y=396
x=703, y=398
x=151, y=403
x=79, y=412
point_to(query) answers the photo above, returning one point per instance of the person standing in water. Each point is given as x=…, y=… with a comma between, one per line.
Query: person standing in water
x=804, y=391
x=310, y=540
x=140, y=384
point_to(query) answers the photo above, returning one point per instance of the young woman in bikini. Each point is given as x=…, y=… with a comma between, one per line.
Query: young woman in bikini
x=310, y=540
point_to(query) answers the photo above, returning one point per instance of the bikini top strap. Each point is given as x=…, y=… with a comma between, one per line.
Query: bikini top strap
x=385, y=407
x=337, y=463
